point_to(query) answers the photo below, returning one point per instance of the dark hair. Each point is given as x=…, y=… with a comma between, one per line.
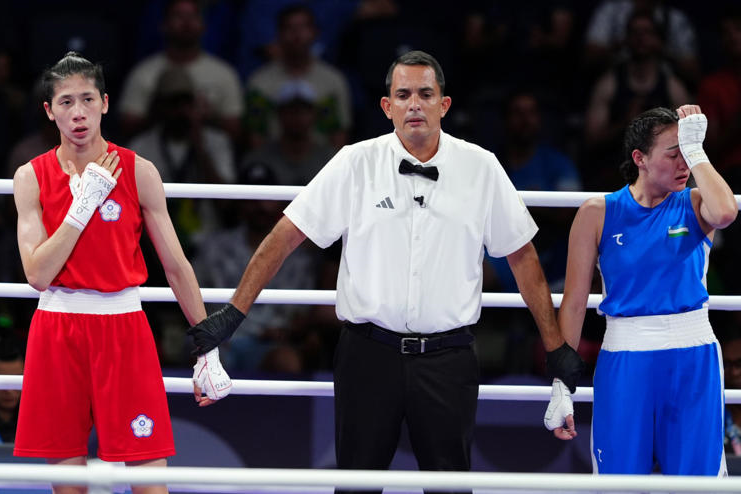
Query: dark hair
x=71, y=64
x=291, y=9
x=640, y=134
x=417, y=57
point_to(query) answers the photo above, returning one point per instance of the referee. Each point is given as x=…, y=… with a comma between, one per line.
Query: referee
x=415, y=209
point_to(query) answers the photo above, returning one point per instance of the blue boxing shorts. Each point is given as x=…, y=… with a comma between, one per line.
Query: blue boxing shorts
x=658, y=397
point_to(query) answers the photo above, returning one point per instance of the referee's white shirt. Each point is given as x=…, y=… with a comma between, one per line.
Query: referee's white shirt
x=405, y=267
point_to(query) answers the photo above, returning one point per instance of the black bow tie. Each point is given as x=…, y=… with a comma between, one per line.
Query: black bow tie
x=406, y=168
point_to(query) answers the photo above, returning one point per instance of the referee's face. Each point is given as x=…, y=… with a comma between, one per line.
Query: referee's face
x=415, y=104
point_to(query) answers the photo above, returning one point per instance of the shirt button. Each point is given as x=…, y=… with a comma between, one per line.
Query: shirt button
x=416, y=237
x=414, y=273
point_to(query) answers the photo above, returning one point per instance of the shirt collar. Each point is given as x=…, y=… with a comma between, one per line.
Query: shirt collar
x=402, y=154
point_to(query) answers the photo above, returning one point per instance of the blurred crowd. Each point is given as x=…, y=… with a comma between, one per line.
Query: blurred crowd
x=266, y=91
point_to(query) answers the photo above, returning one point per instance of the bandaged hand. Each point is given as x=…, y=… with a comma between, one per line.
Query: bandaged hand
x=210, y=377
x=691, y=135
x=74, y=186
x=217, y=327
x=565, y=364
x=88, y=193
x=559, y=409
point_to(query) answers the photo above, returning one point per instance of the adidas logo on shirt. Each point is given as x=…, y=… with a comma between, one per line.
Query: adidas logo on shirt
x=386, y=203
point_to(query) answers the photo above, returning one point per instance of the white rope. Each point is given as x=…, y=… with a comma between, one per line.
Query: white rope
x=327, y=297
x=102, y=474
x=325, y=388
x=226, y=191
x=533, y=198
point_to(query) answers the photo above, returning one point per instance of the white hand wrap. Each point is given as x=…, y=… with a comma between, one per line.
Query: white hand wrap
x=559, y=407
x=691, y=134
x=74, y=186
x=210, y=376
x=88, y=193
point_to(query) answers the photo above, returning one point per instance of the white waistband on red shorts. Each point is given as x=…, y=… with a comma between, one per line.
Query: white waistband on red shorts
x=60, y=299
x=662, y=332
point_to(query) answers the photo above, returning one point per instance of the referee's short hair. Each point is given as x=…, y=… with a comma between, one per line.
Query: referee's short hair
x=417, y=57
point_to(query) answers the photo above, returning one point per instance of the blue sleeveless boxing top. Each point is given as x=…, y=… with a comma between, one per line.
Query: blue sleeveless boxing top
x=652, y=260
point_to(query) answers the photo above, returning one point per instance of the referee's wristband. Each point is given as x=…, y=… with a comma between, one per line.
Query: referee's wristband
x=217, y=327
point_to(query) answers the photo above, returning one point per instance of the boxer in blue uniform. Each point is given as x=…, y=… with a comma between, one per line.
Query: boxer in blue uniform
x=658, y=384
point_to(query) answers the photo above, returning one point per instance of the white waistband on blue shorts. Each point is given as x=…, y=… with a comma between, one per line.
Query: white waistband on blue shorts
x=60, y=299
x=662, y=332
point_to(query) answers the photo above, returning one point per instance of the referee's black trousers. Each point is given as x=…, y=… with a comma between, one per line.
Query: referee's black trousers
x=377, y=388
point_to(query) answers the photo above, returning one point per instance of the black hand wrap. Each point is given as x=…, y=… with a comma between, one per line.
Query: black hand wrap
x=565, y=364
x=216, y=328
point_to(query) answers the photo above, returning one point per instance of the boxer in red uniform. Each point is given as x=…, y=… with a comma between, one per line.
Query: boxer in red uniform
x=91, y=358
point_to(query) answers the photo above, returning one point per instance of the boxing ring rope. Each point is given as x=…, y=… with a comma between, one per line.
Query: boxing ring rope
x=104, y=476
x=325, y=388
x=531, y=198
x=327, y=297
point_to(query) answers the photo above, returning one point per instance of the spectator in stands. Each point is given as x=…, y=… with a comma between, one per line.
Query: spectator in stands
x=181, y=143
x=532, y=164
x=215, y=81
x=606, y=34
x=296, y=155
x=379, y=31
x=297, y=31
x=256, y=43
x=641, y=82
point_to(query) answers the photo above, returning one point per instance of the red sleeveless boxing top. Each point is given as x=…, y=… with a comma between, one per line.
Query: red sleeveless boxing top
x=107, y=256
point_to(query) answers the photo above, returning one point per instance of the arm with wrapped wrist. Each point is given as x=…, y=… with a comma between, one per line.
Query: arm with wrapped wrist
x=562, y=361
x=582, y=257
x=718, y=206
x=43, y=256
x=264, y=264
x=580, y=264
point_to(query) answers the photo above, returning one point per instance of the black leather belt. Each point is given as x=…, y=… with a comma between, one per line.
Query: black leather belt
x=414, y=343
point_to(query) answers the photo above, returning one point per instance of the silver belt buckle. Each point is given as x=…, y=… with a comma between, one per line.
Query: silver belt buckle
x=406, y=343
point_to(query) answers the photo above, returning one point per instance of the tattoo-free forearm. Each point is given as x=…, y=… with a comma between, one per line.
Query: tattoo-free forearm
x=719, y=206
x=185, y=287
x=534, y=290
x=42, y=264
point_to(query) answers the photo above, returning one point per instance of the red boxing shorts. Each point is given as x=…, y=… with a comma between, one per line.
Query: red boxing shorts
x=91, y=360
